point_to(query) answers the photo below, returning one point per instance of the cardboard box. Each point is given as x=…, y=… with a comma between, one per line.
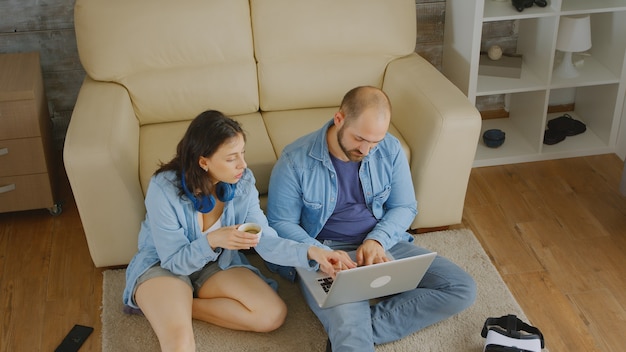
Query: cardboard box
x=506, y=66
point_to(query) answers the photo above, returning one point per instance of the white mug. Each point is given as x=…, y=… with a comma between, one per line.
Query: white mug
x=252, y=228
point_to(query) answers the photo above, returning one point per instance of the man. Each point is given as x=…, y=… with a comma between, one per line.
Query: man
x=348, y=186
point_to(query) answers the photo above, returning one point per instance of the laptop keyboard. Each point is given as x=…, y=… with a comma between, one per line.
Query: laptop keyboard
x=325, y=282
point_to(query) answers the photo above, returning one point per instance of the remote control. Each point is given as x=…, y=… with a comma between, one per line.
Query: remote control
x=74, y=339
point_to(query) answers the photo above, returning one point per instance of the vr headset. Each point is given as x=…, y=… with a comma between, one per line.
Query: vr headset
x=509, y=334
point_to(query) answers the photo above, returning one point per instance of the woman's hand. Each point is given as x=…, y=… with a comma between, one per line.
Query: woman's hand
x=331, y=262
x=229, y=237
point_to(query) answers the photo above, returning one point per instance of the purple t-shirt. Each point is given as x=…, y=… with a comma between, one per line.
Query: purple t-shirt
x=352, y=220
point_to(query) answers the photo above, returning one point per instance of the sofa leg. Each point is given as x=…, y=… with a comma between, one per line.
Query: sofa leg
x=427, y=229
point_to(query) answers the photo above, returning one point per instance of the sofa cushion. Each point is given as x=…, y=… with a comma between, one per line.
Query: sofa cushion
x=285, y=127
x=158, y=144
x=302, y=64
x=175, y=58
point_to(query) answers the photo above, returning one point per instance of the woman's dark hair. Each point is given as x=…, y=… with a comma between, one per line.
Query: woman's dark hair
x=205, y=134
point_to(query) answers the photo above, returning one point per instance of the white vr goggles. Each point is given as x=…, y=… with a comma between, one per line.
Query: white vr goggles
x=510, y=334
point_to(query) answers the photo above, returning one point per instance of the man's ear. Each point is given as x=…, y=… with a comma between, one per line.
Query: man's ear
x=339, y=118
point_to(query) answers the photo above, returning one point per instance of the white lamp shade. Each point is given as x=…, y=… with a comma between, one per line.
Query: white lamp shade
x=574, y=33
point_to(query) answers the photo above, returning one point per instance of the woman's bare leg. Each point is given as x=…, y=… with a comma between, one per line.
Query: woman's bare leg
x=239, y=299
x=166, y=302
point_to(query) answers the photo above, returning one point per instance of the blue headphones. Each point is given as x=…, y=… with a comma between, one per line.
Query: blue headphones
x=224, y=191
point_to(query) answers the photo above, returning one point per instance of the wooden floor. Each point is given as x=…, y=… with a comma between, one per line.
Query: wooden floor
x=556, y=231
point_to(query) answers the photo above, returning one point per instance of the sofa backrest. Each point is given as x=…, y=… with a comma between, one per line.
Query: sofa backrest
x=310, y=53
x=175, y=58
x=178, y=58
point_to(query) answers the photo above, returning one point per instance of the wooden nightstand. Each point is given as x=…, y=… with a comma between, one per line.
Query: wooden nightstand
x=27, y=166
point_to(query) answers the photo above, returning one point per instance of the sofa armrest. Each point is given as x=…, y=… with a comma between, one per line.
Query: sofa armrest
x=101, y=156
x=442, y=128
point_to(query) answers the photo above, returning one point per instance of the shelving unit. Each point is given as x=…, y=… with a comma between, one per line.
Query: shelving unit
x=599, y=91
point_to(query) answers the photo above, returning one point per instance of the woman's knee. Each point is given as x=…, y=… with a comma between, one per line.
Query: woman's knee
x=177, y=338
x=271, y=317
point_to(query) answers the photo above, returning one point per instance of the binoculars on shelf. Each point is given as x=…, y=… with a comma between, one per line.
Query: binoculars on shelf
x=520, y=5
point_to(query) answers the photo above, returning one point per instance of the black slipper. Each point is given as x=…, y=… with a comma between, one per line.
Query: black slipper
x=567, y=125
x=551, y=136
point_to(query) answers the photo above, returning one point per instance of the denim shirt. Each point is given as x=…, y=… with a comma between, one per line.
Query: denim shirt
x=303, y=191
x=171, y=234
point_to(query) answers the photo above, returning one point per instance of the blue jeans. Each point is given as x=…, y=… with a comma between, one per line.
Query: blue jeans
x=444, y=291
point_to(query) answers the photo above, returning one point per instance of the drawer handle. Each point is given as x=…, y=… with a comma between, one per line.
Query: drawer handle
x=4, y=151
x=7, y=188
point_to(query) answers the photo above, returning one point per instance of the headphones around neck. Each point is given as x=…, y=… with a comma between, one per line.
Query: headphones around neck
x=205, y=203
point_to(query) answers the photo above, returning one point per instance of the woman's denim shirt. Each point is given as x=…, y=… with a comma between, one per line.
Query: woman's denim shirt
x=171, y=235
x=303, y=191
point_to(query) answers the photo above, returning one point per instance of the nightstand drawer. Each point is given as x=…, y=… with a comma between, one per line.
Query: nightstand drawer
x=18, y=119
x=25, y=192
x=22, y=157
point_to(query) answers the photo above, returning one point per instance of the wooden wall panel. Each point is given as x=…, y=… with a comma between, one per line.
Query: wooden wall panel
x=430, y=26
x=46, y=26
x=30, y=15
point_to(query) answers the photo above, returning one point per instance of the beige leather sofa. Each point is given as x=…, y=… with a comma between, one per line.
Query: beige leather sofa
x=280, y=67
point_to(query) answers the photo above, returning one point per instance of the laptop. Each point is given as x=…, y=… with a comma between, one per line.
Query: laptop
x=366, y=282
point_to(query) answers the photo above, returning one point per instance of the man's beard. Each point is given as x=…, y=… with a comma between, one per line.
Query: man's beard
x=352, y=155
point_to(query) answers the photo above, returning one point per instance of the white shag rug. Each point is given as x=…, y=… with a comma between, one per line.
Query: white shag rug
x=303, y=332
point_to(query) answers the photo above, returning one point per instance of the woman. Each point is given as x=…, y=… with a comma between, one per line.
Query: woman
x=188, y=264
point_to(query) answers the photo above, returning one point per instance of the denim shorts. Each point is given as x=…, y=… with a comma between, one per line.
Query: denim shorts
x=195, y=280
